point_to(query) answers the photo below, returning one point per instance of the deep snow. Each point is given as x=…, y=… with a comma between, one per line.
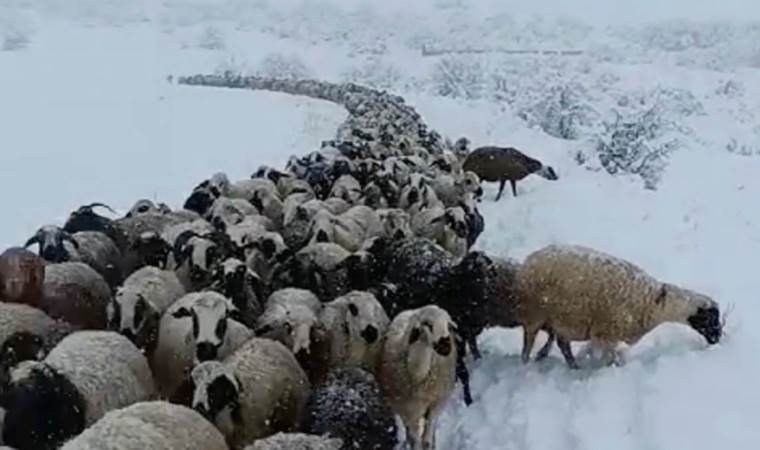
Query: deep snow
x=86, y=114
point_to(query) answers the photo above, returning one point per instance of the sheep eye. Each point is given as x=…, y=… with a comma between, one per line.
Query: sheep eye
x=353, y=309
x=427, y=325
x=288, y=327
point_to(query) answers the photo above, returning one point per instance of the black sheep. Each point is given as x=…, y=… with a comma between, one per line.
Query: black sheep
x=350, y=406
x=422, y=272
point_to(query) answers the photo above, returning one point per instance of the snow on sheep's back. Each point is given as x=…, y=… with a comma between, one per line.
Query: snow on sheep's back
x=89, y=116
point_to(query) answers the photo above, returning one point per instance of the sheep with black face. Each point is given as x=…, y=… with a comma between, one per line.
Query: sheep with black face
x=257, y=391
x=93, y=248
x=86, y=375
x=355, y=324
x=137, y=308
x=447, y=227
x=198, y=327
x=196, y=258
x=243, y=287
x=586, y=294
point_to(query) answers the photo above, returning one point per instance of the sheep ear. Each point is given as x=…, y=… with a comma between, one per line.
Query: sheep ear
x=234, y=314
x=182, y=313
x=262, y=330
x=302, y=213
x=438, y=219
x=256, y=202
x=414, y=336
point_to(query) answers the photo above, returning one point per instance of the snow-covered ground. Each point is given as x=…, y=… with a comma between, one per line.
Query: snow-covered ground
x=86, y=114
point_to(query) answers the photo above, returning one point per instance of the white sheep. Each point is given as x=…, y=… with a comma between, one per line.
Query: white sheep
x=584, y=294
x=197, y=327
x=291, y=316
x=349, y=230
x=255, y=392
x=396, y=223
x=418, y=194
x=418, y=370
x=447, y=227
x=137, y=308
x=270, y=206
x=355, y=324
x=289, y=185
x=195, y=258
x=249, y=230
x=153, y=425
x=172, y=233
x=264, y=252
x=346, y=188
x=296, y=441
x=26, y=333
x=227, y=211
x=86, y=375
x=451, y=189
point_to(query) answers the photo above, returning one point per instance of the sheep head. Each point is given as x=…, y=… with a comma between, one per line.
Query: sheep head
x=142, y=206
x=217, y=395
x=548, y=173
x=691, y=308
x=210, y=315
x=51, y=243
x=131, y=315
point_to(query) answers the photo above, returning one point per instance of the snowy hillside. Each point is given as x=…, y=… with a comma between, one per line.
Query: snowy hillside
x=87, y=114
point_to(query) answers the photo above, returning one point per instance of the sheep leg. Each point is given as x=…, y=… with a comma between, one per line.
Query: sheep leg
x=413, y=435
x=514, y=187
x=472, y=343
x=463, y=374
x=501, y=189
x=544, y=352
x=529, y=337
x=428, y=437
x=567, y=352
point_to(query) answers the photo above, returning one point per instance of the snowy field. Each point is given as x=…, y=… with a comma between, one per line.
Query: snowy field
x=87, y=114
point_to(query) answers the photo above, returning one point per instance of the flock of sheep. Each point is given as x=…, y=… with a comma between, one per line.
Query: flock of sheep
x=329, y=305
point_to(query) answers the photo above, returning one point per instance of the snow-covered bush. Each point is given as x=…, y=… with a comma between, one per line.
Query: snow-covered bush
x=277, y=65
x=638, y=145
x=458, y=77
x=561, y=111
x=375, y=73
x=731, y=89
x=211, y=39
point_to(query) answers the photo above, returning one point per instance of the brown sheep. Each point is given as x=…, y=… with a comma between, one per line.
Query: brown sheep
x=22, y=274
x=500, y=309
x=500, y=164
x=76, y=293
x=583, y=294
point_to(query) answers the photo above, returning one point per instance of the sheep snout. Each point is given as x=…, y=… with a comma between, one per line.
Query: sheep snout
x=706, y=321
x=443, y=346
x=370, y=334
